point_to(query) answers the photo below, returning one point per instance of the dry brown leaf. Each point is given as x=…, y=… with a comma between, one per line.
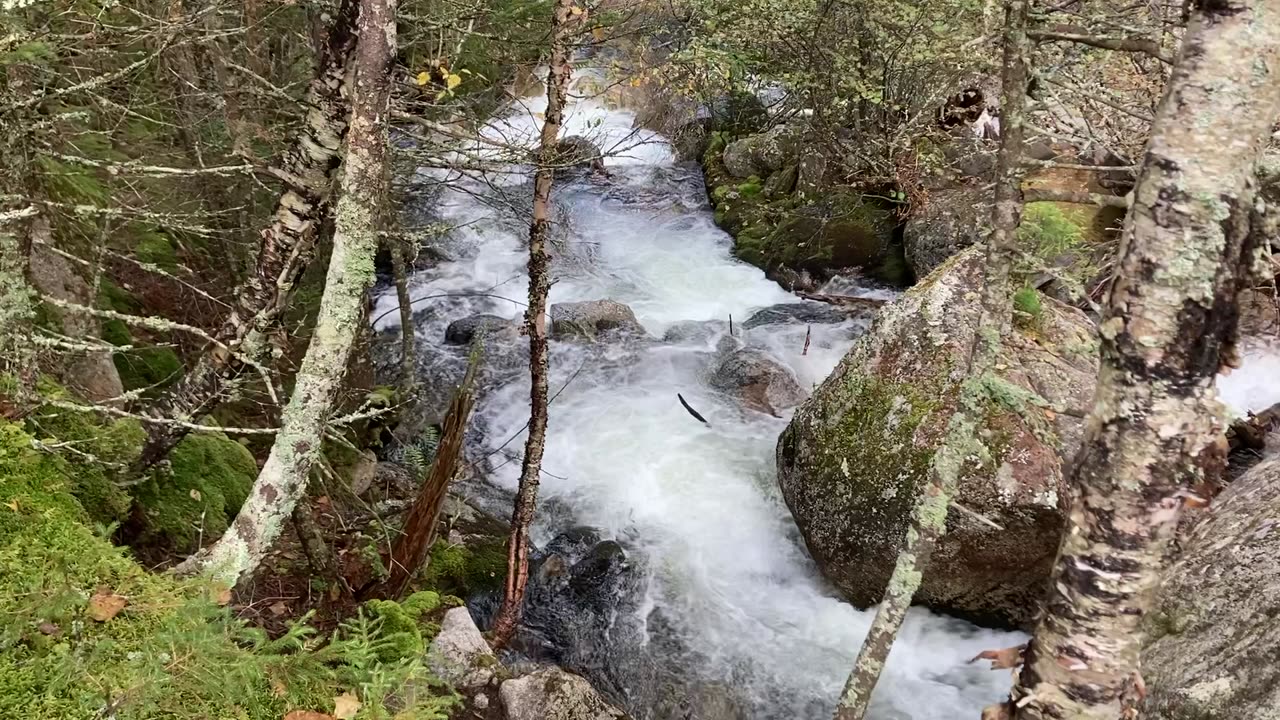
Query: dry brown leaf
x=223, y=596
x=1002, y=659
x=307, y=715
x=105, y=604
x=345, y=706
x=278, y=608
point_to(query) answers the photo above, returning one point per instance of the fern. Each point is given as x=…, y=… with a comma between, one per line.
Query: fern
x=419, y=455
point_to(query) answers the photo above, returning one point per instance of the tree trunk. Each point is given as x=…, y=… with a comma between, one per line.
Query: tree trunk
x=929, y=519
x=1184, y=256
x=408, y=362
x=288, y=244
x=355, y=240
x=18, y=370
x=535, y=325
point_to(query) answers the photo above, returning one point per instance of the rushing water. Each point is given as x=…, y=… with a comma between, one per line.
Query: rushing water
x=728, y=570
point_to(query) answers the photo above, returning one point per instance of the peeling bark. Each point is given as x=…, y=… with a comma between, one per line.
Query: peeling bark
x=929, y=519
x=1184, y=257
x=288, y=244
x=535, y=326
x=282, y=480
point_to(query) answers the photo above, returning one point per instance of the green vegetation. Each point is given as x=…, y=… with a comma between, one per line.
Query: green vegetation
x=1027, y=308
x=84, y=630
x=1060, y=239
x=208, y=480
x=461, y=571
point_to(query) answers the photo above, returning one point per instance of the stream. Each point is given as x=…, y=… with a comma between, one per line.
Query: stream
x=724, y=567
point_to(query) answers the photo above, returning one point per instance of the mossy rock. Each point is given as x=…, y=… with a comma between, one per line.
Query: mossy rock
x=464, y=570
x=208, y=479
x=854, y=456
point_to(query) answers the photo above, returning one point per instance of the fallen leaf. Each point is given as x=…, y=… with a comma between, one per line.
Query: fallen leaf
x=12, y=505
x=195, y=494
x=306, y=715
x=278, y=688
x=345, y=706
x=49, y=628
x=1049, y=414
x=1002, y=659
x=105, y=604
x=423, y=78
x=223, y=596
x=279, y=608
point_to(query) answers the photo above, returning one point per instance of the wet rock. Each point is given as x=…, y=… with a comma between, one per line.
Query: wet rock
x=363, y=471
x=459, y=654
x=553, y=694
x=760, y=155
x=1215, y=635
x=463, y=331
x=761, y=382
x=592, y=318
x=577, y=152
x=953, y=219
x=802, y=313
x=852, y=458
x=694, y=331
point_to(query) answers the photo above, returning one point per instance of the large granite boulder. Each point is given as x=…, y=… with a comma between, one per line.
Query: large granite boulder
x=553, y=694
x=459, y=654
x=762, y=154
x=1215, y=635
x=953, y=219
x=589, y=319
x=853, y=458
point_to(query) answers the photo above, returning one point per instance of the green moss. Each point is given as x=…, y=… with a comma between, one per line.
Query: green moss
x=1028, y=312
x=1060, y=239
x=170, y=652
x=402, y=639
x=209, y=478
x=142, y=367
x=460, y=570
x=750, y=187
x=155, y=248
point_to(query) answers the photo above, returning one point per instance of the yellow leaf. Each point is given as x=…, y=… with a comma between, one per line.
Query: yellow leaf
x=105, y=604
x=223, y=597
x=597, y=32
x=575, y=10
x=453, y=81
x=345, y=706
x=423, y=78
x=12, y=505
x=195, y=494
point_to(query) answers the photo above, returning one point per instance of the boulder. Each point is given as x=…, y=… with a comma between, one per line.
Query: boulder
x=92, y=375
x=694, y=331
x=1215, y=636
x=953, y=219
x=553, y=694
x=591, y=318
x=576, y=151
x=761, y=382
x=463, y=331
x=762, y=154
x=459, y=654
x=801, y=313
x=854, y=456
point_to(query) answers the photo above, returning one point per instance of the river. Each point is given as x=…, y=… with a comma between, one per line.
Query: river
x=726, y=565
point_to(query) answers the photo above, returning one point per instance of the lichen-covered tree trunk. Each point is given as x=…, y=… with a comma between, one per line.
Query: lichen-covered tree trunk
x=283, y=478
x=929, y=518
x=17, y=305
x=408, y=362
x=288, y=243
x=535, y=326
x=1184, y=256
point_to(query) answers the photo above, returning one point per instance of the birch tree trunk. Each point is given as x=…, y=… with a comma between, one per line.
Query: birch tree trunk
x=535, y=326
x=288, y=243
x=929, y=519
x=18, y=368
x=1184, y=256
x=283, y=478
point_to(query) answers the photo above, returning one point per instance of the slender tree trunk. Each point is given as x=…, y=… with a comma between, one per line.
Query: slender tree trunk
x=535, y=326
x=1185, y=254
x=355, y=240
x=288, y=244
x=408, y=361
x=18, y=370
x=929, y=519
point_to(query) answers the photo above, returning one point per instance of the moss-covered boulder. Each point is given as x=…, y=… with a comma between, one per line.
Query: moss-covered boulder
x=854, y=456
x=208, y=478
x=1215, y=635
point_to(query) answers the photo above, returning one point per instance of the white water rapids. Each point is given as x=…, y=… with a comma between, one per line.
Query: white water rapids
x=728, y=567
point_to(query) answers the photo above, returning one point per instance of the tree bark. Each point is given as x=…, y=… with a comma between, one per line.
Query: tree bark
x=18, y=369
x=288, y=244
x=408, y=361
x=1184, y=256
x=283, y=478
x=929, y=518
x=535, y=325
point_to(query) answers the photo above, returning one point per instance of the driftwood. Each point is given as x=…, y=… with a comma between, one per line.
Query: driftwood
x=844, y=301
x=694, y=413
x=1251, y=433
